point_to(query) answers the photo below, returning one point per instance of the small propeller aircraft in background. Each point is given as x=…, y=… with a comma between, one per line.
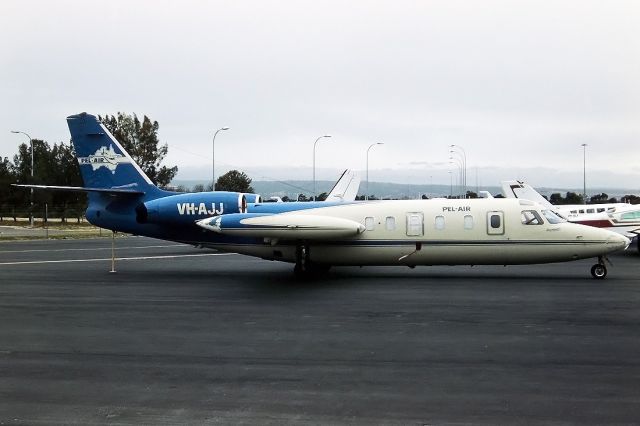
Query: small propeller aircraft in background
x=317, y=235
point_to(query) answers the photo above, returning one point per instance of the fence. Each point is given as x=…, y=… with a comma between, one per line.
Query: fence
x=42, y=212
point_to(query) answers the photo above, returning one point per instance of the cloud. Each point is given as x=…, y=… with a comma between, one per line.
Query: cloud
x=518, y=84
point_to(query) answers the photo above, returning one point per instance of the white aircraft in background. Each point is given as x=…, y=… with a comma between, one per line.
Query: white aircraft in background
x=618, y=217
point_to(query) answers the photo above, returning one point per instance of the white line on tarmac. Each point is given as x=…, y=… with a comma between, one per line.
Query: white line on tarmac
x=98, y=248
x=37, y=262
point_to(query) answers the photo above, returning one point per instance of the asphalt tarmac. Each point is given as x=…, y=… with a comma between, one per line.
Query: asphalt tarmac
x=180, y=335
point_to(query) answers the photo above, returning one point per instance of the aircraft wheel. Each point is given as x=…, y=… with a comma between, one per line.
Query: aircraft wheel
x=308, y=269
x=598, y=271
x=318, y=268
x=299, y=271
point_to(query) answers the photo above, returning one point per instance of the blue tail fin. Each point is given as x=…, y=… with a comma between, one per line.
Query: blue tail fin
x=103, y=161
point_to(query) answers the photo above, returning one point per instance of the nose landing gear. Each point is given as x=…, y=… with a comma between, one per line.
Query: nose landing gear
x=599, y=270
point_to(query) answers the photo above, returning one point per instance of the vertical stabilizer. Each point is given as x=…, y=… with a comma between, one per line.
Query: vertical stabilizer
x=103, y=161
x=346, y=188
x=517, y=189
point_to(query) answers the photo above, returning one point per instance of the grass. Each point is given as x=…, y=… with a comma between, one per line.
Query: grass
x=56, y=230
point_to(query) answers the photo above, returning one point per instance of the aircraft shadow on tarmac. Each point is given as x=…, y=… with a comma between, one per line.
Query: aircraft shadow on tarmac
x=282, y=278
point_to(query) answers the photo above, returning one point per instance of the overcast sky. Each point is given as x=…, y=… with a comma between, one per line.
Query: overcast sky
x=520, y=85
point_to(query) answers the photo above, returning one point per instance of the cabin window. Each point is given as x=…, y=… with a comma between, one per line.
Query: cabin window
x=574, y=212
x=581, y=211
x=390, y=223
x=495, y=225
x=530, y=217
x=439, y=223
x=369, y=223
x=591, y=211
x=468, y=221
x=600, y=209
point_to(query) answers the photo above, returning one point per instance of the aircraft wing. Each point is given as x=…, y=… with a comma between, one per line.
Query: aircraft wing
x=284, y=226
x=346, y=188
x=115, y=191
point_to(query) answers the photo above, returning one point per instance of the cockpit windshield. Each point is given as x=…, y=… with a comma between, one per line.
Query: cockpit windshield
x=553, y=217
x=530, y=217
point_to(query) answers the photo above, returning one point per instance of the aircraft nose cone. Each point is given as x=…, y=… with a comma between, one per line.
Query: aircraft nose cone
x=619, y=241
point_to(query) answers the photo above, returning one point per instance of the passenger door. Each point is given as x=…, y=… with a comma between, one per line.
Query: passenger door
x=415, y=224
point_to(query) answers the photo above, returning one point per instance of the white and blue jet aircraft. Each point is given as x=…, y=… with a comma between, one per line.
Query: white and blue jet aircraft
x=317, y=235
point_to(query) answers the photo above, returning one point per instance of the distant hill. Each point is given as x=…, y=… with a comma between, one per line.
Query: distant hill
x=291, y=188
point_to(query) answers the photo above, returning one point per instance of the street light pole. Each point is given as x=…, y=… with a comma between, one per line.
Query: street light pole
x=31, y=194
x=431, y=186
x=213, y=158
x=366, y=196
x=314, y=164
x=464, y=167
x=584, y=173
x=450, y=184
x=458, y=163
x=463, y=158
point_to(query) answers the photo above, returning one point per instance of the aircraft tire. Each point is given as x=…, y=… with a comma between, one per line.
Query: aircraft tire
x=598, y=271
x=319, y=268
x=308, y=269
x=299, y=271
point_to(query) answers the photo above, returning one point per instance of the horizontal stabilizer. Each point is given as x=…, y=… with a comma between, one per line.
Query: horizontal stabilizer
x=285, y=226
x=115, y=191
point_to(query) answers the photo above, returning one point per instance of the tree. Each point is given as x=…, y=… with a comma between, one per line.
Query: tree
x=140, y=139
x=55, y=165
x=556, y=198
x=7, y=192
x=471, y=194
x=41, y=172
x=601, y=198
x=65, y=171
x=234, y=181
x=632, y=199
x=571, y=198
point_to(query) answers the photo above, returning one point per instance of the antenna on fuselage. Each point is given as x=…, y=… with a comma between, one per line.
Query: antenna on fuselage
x=418, y=248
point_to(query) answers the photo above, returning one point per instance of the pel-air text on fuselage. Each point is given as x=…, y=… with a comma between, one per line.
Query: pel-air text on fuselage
x=317, y=235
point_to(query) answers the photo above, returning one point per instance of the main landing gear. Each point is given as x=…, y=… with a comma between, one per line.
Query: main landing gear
x=305, y=268
x=599, y=270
